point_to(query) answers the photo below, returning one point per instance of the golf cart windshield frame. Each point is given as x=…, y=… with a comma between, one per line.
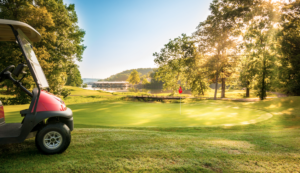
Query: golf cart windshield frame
x=32, y=62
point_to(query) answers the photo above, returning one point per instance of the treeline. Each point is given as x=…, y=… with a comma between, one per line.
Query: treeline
x=248, y=43
x=123, y=76
x=60, y=46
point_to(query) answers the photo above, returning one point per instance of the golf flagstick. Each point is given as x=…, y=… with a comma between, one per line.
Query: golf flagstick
x=180, y=91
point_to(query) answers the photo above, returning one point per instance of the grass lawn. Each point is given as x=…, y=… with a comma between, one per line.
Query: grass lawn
x=231, y=93
x=140, y=114
x=119, y=136
x=129, y=150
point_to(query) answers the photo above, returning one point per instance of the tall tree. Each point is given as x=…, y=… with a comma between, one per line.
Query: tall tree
x=10, y=51
x=61, y=37
x=247, y=73
x=261, y=45
x=74, y=77
x=216, y=39
x=289, y=71
x=180, y=64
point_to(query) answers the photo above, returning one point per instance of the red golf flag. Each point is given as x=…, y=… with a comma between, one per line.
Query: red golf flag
x=180, y=90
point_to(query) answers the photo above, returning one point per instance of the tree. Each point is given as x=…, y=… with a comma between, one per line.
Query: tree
x=247, y=74
x=74, y=77
x=261, y=46
x=134, y=77
x=180, y=64
x=60, y=44
x=216, y=39
x=155, y=83
x=65, y=92
x=289, y=39
x=145, y=81
x=84, y=85
x=10, y=51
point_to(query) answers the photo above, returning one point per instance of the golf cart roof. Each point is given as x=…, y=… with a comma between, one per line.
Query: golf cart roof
x=6, y=33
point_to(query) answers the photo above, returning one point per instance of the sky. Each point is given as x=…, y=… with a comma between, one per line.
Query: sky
x=124, y=34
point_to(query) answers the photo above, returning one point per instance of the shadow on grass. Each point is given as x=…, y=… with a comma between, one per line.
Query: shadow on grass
x=123, y=150
x=25, y=149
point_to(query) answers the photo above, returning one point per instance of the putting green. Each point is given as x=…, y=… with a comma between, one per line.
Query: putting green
x=137, y=114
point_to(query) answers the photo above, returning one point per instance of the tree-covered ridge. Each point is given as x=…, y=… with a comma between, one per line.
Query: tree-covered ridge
x=123, y=76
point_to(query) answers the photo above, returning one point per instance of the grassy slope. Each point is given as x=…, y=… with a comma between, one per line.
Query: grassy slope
x=268, y=146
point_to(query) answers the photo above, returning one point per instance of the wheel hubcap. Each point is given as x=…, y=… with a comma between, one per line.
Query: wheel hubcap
x=52, y=140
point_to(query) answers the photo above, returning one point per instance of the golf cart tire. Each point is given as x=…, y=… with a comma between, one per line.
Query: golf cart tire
x=58, y=130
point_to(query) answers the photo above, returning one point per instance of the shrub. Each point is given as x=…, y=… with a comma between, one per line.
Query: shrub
x=65, y=92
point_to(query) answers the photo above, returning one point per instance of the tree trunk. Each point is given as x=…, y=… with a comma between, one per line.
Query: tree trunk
x=7, y=89
x=216, y=87
x=248, y=89
x=223, y=88
x=263, y=87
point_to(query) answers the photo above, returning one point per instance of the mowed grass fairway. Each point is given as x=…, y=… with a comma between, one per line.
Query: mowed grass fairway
x=136, y=114
x=209, y=136
x=139, y=114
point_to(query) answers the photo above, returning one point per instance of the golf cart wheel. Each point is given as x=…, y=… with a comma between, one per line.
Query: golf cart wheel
x=53, y=138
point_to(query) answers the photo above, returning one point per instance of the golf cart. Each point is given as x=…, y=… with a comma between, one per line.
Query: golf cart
x=47, y=118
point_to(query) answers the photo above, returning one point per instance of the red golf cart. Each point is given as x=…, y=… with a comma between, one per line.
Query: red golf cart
x=47, y=118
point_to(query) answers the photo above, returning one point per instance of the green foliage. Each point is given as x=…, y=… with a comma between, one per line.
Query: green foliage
x=74, y=77
x=133, y=90
x=266, y=59
x=65, y=92
x=260, y=48
x=155, y=83
x=61, y=42
x=84, y=85
x=180, y=64
x=145, y=81
x=134, y=77
x=289, y=38
x=216, y=38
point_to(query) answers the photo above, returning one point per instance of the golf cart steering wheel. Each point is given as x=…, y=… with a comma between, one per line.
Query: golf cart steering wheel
x=5, y=70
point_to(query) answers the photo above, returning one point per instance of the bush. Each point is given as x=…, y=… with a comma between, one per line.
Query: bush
x=20, y=98
x=9, y=101
x=65, y=92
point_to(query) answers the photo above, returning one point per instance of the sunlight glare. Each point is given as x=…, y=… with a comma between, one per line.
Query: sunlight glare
x=284, y=1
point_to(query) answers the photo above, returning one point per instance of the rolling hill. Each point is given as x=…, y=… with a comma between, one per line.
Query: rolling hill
x=122, y=76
